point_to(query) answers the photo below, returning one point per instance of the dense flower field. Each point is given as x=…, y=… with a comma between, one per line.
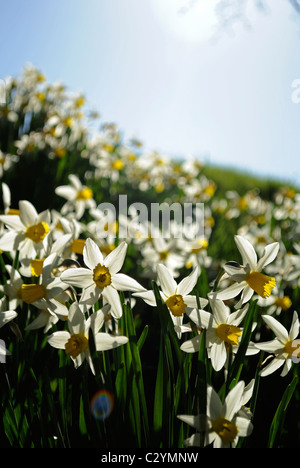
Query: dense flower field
x=117, y=329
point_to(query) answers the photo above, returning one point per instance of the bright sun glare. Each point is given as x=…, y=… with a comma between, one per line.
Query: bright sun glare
x=189, y=20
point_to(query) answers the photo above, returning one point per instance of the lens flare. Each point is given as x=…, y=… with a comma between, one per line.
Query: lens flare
x=102, y=405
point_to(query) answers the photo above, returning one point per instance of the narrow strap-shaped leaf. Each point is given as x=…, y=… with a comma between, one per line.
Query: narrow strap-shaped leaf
x=239, y=359
x=279, y=416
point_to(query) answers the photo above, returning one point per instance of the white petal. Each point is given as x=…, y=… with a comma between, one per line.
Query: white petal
x=104, y=341
x=79, y=359
x=228, y=293
x=286, y=368
x=187, y=284
x=147, y=296
x=111, y=295
x=56, y=307
x=192, y=345
x=201, y=318
x=125, y=283
x=233, y=270
x=233, y=401
x=76, y=319
x=214, y=404
x=279, y=330
x=244, y=425
x=191, y=301
x=275, y=364
x=220, y=311
x=66, y=192
x=166, y=280
x=28, y=213
x=78, y=277
x=246, y=294
x=177, y=321
x=248, y=391
x=294, y=331
x=251, y=349
x=54, y=287
x=75, y=181
x=235, y=318
x=193, y=421
x=59, y=339
x=97, y=319
x=9, y=242
x=92, y=254
x=6, y=195
x=45, y=217
x=12, y=222
x=90, y=295
x=115, y=259
x=59, y=245
x=273, y=346
x=43, y=319
x=7, y=316
x=247, y=252
x=89, y=359
x=218, y=356
x=28, y=249
x=270, y=253
x=193, y=441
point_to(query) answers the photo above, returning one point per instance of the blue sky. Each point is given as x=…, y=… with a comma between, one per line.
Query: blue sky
x=157, y=74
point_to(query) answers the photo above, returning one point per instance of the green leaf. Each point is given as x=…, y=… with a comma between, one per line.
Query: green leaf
x=239, y=359
x=82, y=422
x=142, y=338
x=278, y=420
x=159, y=392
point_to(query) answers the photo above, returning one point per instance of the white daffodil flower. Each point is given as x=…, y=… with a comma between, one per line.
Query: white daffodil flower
x=76, y=341
x=248, y=278
x=276, y=303
x=163, y=251
x=47, y=294
x=79, y=197
x=176, y=296
x=285, y=346
x=224, y=422
x=102, y=277
x=222, y=330
x=26, y=232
